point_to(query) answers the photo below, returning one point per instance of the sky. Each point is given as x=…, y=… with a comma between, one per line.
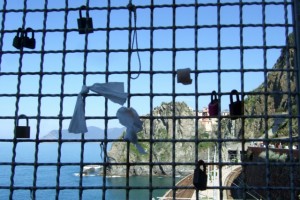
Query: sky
x=118, y=61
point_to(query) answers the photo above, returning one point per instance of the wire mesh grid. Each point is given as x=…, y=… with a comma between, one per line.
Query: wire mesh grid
x=250, y=46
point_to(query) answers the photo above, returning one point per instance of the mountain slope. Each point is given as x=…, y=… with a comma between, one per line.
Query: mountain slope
x=277, y=95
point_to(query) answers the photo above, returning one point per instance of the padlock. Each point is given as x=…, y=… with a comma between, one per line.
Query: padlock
x=22, y=131
x=213, y=106
x=18, y=39
x=236, y=108
x=27, y=41
x=85, y=24
x=200, y=176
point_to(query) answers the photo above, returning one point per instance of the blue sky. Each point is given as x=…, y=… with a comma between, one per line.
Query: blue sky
x=118, y=61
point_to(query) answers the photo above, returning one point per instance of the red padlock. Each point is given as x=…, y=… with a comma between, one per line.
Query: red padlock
x=236, y=108
x=213, y=106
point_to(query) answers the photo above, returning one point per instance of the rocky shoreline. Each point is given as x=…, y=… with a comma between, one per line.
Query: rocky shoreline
x=120, y=171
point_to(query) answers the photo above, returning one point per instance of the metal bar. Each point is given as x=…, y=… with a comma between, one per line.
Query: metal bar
x=296, y=22
x=151, y=52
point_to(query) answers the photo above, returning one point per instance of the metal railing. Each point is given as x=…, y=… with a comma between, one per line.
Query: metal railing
x=169, y=56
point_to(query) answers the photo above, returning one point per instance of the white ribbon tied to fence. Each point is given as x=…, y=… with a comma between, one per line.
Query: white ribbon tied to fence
x=129, y=118
x=114, y=91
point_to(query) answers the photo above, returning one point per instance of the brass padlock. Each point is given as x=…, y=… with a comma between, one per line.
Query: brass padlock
x=85, y=24
x=200, y=176
x=22, y=131
x=27, y=41
x=18, y=39
x=236, y=108
x=213, y=106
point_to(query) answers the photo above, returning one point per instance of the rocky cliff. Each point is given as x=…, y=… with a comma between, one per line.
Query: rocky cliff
x=163, y=131
x=276, y=94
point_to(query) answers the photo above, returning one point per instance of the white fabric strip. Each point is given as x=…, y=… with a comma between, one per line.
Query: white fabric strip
x=114, y=91
x=129, y=118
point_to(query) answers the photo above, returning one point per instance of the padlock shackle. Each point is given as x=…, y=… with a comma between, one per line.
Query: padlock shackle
x=80, y=12
x=22, y=116
x=201, y=162
x=20, y=30
x=236, y=93
x=29, y=30
x=213, y=96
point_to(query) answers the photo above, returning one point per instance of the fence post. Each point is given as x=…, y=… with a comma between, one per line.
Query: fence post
x=297, y=56
x=297, y=43
x=296, y=17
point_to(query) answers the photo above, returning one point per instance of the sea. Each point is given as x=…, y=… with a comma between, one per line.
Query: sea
x=69, y=175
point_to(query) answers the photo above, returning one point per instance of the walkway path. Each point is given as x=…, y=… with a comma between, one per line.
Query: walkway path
x=228, y=175
x=182, y=193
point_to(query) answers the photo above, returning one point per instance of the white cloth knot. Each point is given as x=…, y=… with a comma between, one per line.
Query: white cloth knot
x=114, y=91
x=129, y=118
x=84, y=90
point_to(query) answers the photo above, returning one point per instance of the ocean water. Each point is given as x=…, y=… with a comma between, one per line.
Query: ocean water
x=46, y=174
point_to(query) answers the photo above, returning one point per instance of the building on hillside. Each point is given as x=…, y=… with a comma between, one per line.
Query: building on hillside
x=205, y=121
x=225, y=112
x=209, y=122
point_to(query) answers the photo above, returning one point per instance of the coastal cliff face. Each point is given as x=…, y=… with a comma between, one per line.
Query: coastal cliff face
x=277, y=94
x=163, y=131
x=279, y=99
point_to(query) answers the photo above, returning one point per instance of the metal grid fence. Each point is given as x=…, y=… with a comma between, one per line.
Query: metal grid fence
x=144, y=44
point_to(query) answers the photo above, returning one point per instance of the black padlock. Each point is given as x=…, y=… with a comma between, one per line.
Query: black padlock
x=27, y=41
x=213, y=106
x=236, y=108
x=200, y=176
x=18, y=39
x=22, y=131
x=85, y=24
